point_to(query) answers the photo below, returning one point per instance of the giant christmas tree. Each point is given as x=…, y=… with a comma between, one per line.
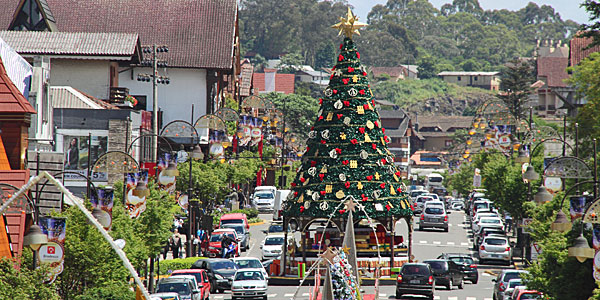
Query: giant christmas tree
x=347, y=151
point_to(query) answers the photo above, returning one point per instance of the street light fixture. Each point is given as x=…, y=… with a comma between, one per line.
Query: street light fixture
x=35, y=238
x=542, y=195
x=102, y=216
x=523, y=157
x=171, y=170
x=141, y=189
x=581, y=249
x=197, y=153
x=530, y=174
x=561, y=223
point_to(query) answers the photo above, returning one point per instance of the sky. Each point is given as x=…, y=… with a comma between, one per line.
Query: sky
x=568, y=9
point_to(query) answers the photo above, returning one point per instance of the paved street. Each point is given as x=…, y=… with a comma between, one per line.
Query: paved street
x=427, y=244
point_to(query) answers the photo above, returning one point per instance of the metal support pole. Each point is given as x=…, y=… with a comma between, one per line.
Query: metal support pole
x=392, y=241
x=188, y=250
x=34, y=262
x=595, y=172
x=410, y=240
x=576, y=139
x=154, y=105
x=89, y=162
x=281, y=183
x=285, y=246
x=151, y=275
x=564, y=135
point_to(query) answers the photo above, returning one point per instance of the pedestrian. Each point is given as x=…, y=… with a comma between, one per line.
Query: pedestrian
x=226, y=243
x=175, y=243
x=241, y=198
x=200, y=236
x=508, y=222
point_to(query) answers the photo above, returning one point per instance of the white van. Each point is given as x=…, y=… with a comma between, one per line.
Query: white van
x=264, y=198
x=433, y=180
x=280, y=196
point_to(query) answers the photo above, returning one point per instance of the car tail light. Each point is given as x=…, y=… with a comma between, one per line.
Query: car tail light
x=399, y=279
x=445, y=218
x=422, y=217
x=507, y=249
x=430, y=281
x=482, y=247
x=473, y=266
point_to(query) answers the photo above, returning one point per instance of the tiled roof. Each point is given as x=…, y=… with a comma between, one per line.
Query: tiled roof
x=199, y=33
x=68, y=97
x=246, y=78
x=577, y=46
x=284, y=83
x=392, y=114
x=72, y=43
x=393, y=72
x=444, y=122
x=11, y=99
x=554, y=69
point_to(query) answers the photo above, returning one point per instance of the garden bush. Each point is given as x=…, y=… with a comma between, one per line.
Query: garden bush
x=176, y=264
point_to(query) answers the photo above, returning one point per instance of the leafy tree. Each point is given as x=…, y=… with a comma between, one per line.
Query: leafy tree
x=24, y=284
x=587, y=85
x=299, y=111
x=516, y=84
x=462, y=180
x=427, y=67
x=290, y=62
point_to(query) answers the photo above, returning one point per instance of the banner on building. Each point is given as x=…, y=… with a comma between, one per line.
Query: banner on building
x=135, y=204
x=53, y=253
x=578, y=205
x=596, y=245
x=77, y=149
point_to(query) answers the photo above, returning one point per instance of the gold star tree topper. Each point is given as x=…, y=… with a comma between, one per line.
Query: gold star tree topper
x=349, y=25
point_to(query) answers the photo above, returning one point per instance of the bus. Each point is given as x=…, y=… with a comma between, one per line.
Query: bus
x=433, y=180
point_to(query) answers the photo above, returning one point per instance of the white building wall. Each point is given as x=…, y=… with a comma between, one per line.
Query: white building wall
x=187, y=87
x=89, y=76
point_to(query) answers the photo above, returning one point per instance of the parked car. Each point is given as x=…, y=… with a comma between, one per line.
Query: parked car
x=529, y=295
x=420, y=203
x=495, y=248
x=272, y=246
x=234, y=218
x=510, y=287
x=483, y=213
x=479, y=204
x=195, y=284
x=434, y=217
x=250, y=263
x=220, y=271
x=466, y=263
x=280, y=196
x=489, y=222
x=486, y=231
x=446, y=272
x=415, y=279
x=275, y=227
x=502, y=280
x=203, y=282
x=249, y=284
x=457, y=206
x=181, y=286
x=165, y=296
x=243, y=235
x=214, y=242
x=264, y=200
x=416, y=193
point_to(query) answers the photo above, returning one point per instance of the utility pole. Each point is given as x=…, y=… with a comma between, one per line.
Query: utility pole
x=156, y=79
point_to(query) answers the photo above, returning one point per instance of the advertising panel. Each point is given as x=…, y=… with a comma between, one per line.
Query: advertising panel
x=53, y=252
x=135, y=205
x=77, y=149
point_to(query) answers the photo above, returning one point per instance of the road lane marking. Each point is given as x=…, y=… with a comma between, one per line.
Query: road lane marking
x=487, y=298
x=218, y=297
x=272, y=295
x=305, y=295
x=450, y=243
x=464, y=244
x=423, y=242
x=449, y=224
x=383, y=295
x=471, y=298
x=437, y=242
x=436, y=297
x=452, y=298
x=288, y=295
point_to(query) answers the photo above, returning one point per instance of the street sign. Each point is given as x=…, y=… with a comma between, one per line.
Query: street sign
x=477, y=178
x=525, y=223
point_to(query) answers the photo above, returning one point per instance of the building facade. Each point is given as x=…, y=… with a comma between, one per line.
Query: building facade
x=484, y=80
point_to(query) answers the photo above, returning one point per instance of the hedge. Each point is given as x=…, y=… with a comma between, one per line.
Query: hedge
x=176, y=264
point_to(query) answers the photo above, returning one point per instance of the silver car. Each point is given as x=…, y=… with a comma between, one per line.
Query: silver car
x=249, y=284
x=510, y=287
x=495, y=248
x=434, y=217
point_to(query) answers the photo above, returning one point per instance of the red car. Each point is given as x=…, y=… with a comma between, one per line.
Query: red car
x=201, y=278
x=529, y=295
x=214, y=243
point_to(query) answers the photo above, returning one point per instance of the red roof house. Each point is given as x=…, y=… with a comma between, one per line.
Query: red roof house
x=578, y=49
x=271, y=81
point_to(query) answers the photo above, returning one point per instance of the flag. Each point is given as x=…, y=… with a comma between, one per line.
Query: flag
x=349, y=247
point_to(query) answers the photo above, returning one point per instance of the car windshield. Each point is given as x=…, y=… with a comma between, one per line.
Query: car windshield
x=495, y=242
x=274, y=241
x=181, y=288
x=238, y=228
x=223, y=265
x=513, y=283
x=232, y=221
x=511, y=275
x=248, y=263
x=421, y=270
x=490, y=221
x=434, y=211
x=530, y=296
x=276, y=228
x=462, y=260
x=248, y=275
x=196, y=274
x=481, y=205
x=437, y=265
x=264, y=195
x=217, y=237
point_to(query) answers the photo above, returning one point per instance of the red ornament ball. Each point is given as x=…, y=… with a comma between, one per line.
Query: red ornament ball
x=350, y=69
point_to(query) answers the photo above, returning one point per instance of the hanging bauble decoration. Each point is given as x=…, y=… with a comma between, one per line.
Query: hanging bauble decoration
x=338, y=104
x=325, y=134
x=312, y=171
x=328, y=92
x=333, y=154
x=353, y=92
x=324, y=205
x=342, y=177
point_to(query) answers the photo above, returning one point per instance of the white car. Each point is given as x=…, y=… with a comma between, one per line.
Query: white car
x=249, y=284
x=250, y=263
x=165, y=296
x=432, y=195
x=495, y=248
x=482, y=215
x=264, y=200
x=488, y=222
x=272, y=246
x=510, y=287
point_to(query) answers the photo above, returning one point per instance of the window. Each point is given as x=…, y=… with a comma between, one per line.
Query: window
x=475, y=78
x=458, y=78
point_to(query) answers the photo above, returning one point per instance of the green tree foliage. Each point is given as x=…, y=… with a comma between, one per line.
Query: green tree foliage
x=461, y=181
x=300, y=111
x=516, y=82
x=587, y=84
x=404, y=31
x=23, y=283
